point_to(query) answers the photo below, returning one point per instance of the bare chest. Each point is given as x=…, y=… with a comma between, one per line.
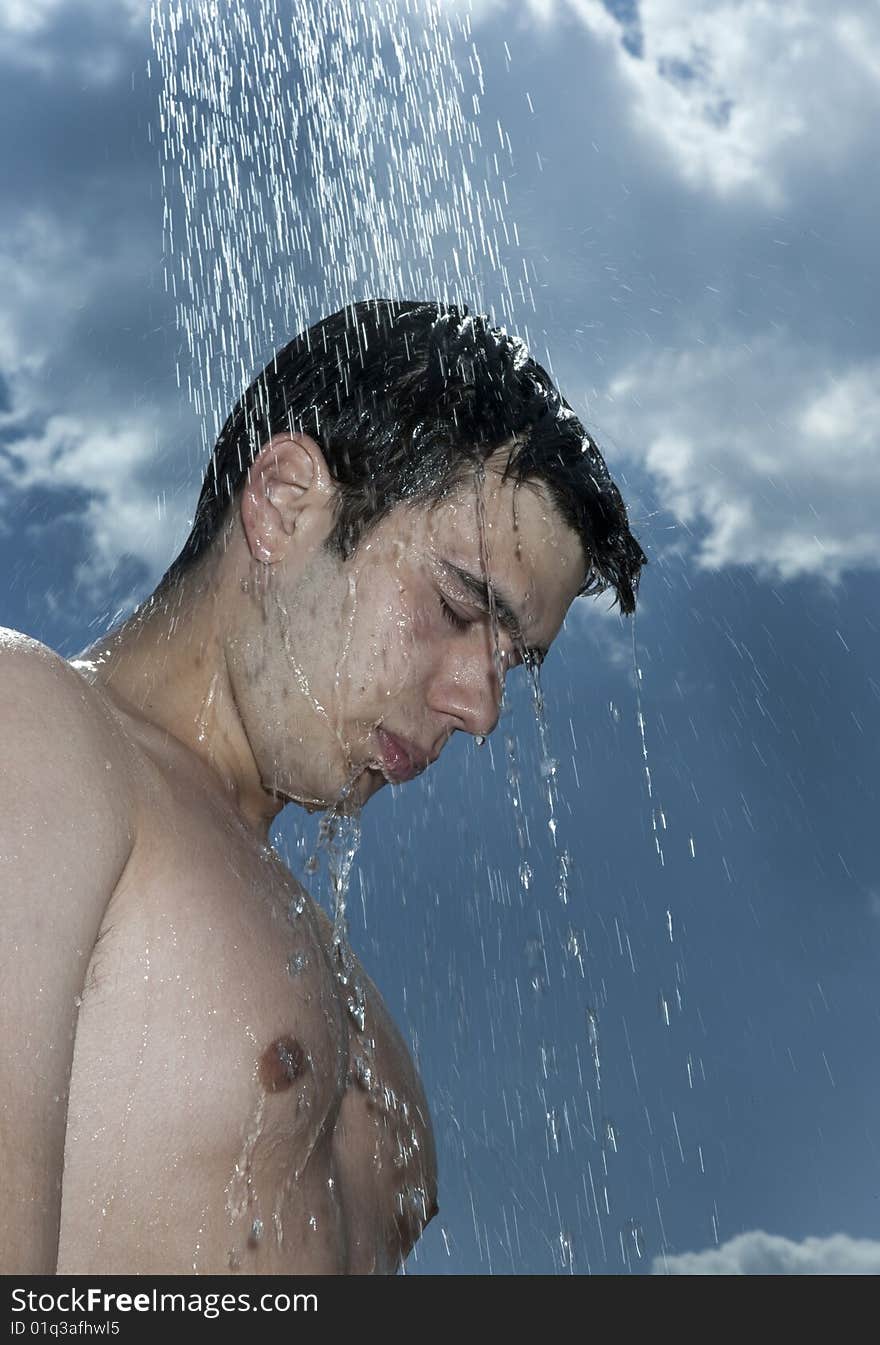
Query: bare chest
x=238, y=1100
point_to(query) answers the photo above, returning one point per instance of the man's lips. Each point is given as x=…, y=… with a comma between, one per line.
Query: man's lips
x=401, y=760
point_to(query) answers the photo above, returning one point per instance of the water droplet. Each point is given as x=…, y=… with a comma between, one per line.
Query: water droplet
x=297, y=963
x=479, y=739
x=363, y=1074
x=593, y=1037
x=207, y=710
x=413, y=1200
x=574, y=949
x=562, y=879
x=357, y=1006
x=635, y=1237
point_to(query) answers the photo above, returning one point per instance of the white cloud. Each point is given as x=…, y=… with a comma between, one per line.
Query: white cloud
x=28, y=17
x=763, y=449
x=25, y=17
x=47, y=276
x=738, y=94
x=108, y=459
x=30, y=31
x=68, y=428
x=759, y=1253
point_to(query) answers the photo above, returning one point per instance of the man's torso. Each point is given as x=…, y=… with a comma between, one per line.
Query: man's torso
x=227, y=1109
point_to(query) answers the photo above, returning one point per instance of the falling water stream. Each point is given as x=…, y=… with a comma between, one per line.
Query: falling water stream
x=312, y=155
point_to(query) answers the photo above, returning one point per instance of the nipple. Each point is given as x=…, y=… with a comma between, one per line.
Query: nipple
x=281, y=1063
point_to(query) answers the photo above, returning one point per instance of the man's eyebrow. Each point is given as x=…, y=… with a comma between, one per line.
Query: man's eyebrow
x=504, y=609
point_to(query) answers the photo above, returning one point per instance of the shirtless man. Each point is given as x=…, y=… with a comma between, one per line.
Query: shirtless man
x=198, y=1075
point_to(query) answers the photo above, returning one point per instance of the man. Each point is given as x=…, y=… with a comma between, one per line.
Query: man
x=199, y=1076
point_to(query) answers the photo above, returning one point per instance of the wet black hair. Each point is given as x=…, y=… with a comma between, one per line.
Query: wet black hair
x=406, y=398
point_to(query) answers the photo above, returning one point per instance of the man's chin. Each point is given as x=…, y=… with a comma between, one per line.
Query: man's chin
x=349, y=797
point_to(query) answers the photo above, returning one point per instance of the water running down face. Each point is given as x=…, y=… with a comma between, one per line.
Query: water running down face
x=351, y=674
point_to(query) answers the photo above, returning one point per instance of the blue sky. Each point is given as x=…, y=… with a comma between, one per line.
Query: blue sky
x=695, y=198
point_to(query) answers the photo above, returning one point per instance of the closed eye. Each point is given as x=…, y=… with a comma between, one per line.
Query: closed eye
x=531, y=657
x=458, y=622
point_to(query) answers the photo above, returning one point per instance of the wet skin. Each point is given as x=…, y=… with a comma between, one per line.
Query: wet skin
x=227, y=1110
x=218, y=1119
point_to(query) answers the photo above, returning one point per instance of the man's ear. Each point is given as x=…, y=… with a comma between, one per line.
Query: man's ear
x=288, y=494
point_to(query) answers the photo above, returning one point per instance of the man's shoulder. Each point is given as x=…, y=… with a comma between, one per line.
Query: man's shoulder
x=57, y=726
x=31, y=672
x=30, y=669
x=66, y=835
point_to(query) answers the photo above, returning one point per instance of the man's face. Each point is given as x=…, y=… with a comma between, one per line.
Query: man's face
x=362, y=670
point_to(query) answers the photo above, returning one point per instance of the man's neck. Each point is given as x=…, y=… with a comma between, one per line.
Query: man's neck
x=167, y=665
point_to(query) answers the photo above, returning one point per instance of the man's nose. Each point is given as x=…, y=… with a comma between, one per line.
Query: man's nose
x=470, y=692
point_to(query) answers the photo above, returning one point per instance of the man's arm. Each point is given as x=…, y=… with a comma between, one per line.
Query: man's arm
x=66, y=833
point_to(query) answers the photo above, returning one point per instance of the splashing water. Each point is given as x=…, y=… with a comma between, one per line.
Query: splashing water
x=339, y=838
x=342, y=846
x=548, y=764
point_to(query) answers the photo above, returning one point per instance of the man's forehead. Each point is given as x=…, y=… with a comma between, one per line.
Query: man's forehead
x=495, y=501
x=521, y=528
